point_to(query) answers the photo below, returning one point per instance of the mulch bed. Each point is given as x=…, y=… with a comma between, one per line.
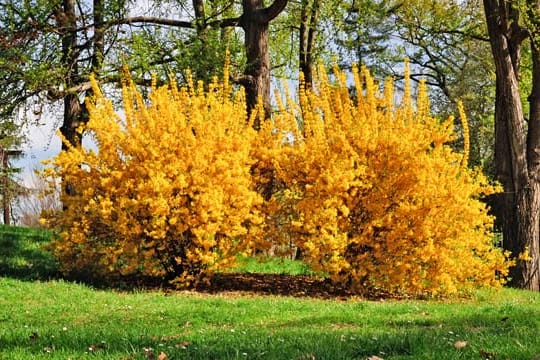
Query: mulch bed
x=272, y=284
x=248, y=284
x=286, y=285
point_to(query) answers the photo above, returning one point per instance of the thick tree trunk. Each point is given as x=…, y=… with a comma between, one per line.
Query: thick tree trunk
x=256, y=80
x=74, y=113
x=73, y=108
x=517, y=148
x=74, y=116
x=528, y=236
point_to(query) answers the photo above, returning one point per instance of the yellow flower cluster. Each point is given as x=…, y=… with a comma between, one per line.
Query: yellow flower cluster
x=365, y=186
x=371, y=193
x=168, y=189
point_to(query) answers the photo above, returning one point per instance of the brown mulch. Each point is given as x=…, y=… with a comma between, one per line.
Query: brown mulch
x=253, y=284
x=281, y=285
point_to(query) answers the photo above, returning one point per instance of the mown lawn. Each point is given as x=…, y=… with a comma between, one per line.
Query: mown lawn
x=55, y=319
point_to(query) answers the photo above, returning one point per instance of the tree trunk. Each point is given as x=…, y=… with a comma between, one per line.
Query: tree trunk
x=517, y=148
x=528, y=231
x=531, y=268
x=99, y=35
x=74, y=112
x=73, y=108
x=200, y=17
x=256, y=80
x=6, y=203
x=308, y=29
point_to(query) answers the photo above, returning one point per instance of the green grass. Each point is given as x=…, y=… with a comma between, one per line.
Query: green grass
x=271, y=266
x=55, y=319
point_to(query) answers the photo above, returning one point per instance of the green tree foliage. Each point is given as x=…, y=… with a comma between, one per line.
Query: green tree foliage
x=445, y=42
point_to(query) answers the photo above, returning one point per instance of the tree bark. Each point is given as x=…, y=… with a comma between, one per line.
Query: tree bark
x=256, y=80
x=517, y=148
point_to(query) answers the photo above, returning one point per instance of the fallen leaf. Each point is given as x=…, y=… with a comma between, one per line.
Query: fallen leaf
x=460, y=344
x=149, y=354
x=95, y=347
x=487, y=355
x=34, y=336
x=162, y=356
x=183, y=344
x=374, y=357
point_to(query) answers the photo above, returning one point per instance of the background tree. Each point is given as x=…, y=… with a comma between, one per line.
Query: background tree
x=446, y=43
x=48, y=49
x=517, y=152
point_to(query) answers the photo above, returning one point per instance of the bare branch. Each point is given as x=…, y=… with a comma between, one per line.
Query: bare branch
x=154, y=20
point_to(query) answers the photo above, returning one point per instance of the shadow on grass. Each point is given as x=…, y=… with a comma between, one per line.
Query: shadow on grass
x=22, y=255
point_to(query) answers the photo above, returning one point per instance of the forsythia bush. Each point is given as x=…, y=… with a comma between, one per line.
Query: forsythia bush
x=367, y=189
x=168, y=191
x=372, y=194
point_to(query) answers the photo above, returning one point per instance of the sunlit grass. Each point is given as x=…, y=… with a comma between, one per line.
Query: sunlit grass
x=271, y=265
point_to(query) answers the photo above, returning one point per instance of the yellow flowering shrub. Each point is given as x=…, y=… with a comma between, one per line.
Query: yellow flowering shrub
x=372, y=194
x=166, y=192
x=367, y=188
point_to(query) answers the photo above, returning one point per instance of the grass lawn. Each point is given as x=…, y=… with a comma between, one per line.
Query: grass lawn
x=55, y=319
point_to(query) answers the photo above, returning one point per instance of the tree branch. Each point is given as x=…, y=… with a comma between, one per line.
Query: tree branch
x=222, y=23
x=269, y=13
x=153, y=20
x=55, y=94
x=229, y=22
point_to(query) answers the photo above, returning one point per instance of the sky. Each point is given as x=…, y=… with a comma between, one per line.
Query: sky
x=41, y=143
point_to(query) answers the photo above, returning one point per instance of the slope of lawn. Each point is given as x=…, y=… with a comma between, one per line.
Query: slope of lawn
x=21, y=253
x=55, y=319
